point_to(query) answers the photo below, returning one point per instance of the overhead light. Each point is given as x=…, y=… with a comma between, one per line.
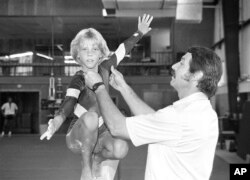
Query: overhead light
x=59, y=46
x=67, y=57
x=108, y=12
x=44, y=56
x=104, y=13
x=29, y=53
x=70, y=62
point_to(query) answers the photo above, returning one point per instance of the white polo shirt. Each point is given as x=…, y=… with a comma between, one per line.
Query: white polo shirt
x=9, y=108
x=181, y=139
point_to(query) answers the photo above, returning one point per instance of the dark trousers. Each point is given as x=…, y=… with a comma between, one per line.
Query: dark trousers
x=8, y=123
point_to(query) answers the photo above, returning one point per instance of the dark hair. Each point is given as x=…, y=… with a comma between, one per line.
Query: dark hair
x=209, y=63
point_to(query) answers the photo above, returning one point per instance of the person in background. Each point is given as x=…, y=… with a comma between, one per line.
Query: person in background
x=9, y=111
x=87, y=135
x=181, y=137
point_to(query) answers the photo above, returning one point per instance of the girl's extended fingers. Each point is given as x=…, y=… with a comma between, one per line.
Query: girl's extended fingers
x=150, y=19
x=43, y=136
x=49, y=136
x=145, y=18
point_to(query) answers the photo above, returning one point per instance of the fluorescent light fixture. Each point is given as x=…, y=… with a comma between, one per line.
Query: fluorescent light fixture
x=68, y=57
x=108, y=12
x=104, y=12
x=69, y=62
x=59, y=46
x=29, y=53
x=4, y=57
x=44, y=56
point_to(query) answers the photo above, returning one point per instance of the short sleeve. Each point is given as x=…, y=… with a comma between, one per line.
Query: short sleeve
x=161, y=127
x=76, y=85
x=16, y=107
x=3, y=107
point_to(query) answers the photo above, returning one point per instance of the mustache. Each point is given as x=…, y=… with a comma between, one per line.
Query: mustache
x=171, y=72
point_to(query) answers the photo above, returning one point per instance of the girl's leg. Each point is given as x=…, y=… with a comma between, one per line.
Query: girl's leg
x=108, y=152
x=112, y=148
x=82, y=139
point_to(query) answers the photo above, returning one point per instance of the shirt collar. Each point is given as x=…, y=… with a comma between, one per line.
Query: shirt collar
x=191, y=98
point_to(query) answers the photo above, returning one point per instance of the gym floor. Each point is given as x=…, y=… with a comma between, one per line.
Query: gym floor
x=25, y=157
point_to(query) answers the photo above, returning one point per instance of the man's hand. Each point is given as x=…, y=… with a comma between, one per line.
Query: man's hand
x=54, y=125
x=144, y=23
x=92, y=78
x=116, y=79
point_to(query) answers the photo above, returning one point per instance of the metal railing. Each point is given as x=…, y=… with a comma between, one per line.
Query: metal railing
x=158, y=60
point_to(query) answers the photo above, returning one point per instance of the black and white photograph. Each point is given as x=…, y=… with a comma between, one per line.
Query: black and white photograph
x=124, y=89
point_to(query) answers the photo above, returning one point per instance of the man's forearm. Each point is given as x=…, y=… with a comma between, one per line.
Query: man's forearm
x=113, y=118
x=136, y=105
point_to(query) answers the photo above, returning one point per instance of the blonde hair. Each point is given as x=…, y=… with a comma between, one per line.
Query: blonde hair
x=89, y=33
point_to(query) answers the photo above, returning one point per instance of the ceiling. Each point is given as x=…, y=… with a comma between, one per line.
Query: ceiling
x=67, y=27
x=62, y=19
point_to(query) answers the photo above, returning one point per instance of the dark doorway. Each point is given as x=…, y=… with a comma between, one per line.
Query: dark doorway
x=27, y=119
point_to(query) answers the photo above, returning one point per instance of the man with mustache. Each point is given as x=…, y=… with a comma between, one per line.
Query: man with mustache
x=181, y=137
